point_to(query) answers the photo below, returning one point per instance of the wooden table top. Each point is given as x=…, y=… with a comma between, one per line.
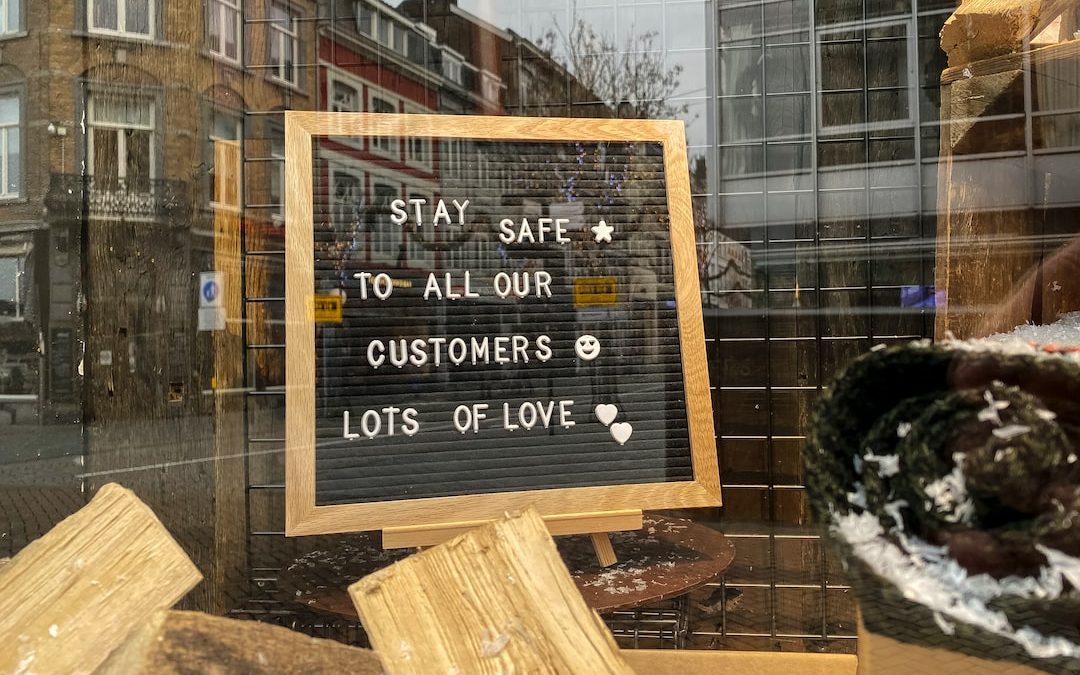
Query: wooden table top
x=664, y=559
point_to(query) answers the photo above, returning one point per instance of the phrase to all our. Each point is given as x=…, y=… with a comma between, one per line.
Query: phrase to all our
x=441, y=352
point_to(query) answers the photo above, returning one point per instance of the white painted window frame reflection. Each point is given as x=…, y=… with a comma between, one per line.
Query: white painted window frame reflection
x=392, y=149
x=238, y=127
x=282, y=36
x=416, y=256
x=427, y=161
x=19, y=256
x=490, y=86
x=336, y=75
x=221, y=8
x=334, y=171
x=911, y=39
x=5, y=13
x=121, y=20
x=452, y=65
x=382, y=231
x=5, y=149
x=372, y=17
x=93, y=123
x=277, y=157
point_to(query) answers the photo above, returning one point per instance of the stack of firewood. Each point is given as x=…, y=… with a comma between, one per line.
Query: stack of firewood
x=94, y=595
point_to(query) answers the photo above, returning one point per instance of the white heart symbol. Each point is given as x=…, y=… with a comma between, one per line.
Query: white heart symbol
x=621, y=432
x=605, y=412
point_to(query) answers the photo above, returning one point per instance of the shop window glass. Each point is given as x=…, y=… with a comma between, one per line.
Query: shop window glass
x=14, y=283
x=384, y=145
x=224, y=29
x=133, y=18
x=223, y=127
x=9, y=16
x=284, y=44
x=277, y=176
x=120, y=142
x=346, y=199
x=386, y=237
x=344, y=97
x=10, y=147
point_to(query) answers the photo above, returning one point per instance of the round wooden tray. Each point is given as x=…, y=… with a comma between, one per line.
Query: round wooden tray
x=665, y=558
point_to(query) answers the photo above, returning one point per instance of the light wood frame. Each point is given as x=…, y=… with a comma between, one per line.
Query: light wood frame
x=302, y=516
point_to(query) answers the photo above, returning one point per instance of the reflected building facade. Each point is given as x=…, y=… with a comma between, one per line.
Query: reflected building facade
x=142, y=144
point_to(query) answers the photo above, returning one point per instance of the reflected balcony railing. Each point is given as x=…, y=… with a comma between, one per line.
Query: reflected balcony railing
x=155, y=200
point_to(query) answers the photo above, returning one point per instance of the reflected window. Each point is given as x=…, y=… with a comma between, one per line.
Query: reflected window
x=10, y=147
x=381, y=103
x=130, y=18
x=451, y=67
x=13, y=278
x=9, y=16
x=277, y=175
x=417, y=255
x=450, y=158
x=393, y=35
x=490, y=84
x=223, y=29
x=418, y=149
x=386, y=237
x=120, y=145
x=346, y=199
x=284, y=44
x=224, y=127
x=885, y=51
x=344, y=97
x=365, y=20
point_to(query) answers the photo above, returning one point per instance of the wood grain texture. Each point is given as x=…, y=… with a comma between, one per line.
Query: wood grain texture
x=981, y=29
x=605, y=554
x=176, y=643
x=303, y=517
x=882, y=655
x=498, y=599
x=702, y=662
x=484, y=127
x=228, y=574
x=990, y=258
x=1013, y=61
x=299, y=330
x=570, y=523
x=699, y=410
x=74, y=595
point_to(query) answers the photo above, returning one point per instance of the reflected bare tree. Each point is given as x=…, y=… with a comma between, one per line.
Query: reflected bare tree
x=631, y=79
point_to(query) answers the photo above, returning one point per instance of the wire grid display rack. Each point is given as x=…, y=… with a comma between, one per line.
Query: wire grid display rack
x=832, y=215
x=663, y=626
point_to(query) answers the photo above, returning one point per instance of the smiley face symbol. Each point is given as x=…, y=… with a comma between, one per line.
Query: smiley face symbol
x=587, y=347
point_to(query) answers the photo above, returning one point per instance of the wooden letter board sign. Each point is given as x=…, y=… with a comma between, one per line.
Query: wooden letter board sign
x=520, y=324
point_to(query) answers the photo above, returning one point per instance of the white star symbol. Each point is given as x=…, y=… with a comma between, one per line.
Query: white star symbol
x=602, y=231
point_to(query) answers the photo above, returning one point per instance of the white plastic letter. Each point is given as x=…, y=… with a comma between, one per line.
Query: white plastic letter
x=345, y=432
x=366, y=427
x=543, y=348
x=460, y=424
x=477, y=415
x=376, y=361
x=409, y=425
x=440, y=212
x=461, y=210
x=432, y=285
x=382, y=285
x=565, y=413
x=398, y=216
x=506, y=231
x=416, y=202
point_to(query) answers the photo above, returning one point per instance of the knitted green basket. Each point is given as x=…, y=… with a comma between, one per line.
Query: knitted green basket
x=948, y=476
